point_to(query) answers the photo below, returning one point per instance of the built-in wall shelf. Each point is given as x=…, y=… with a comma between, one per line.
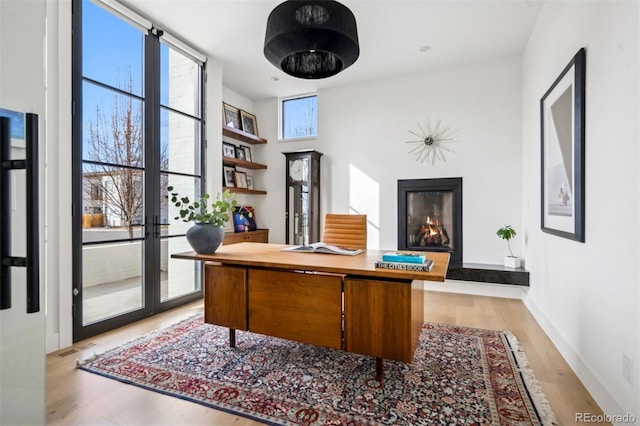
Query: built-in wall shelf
x=229, y=161
x=485, y=273
x=242, y=136
x=243, y=190
x=233, y=162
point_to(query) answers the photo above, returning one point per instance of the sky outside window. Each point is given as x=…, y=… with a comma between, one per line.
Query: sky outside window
x=300, y=117
x=112, y=50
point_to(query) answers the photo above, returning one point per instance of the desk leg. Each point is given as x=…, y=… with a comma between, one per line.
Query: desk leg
x=232, y=337
x=379, y=370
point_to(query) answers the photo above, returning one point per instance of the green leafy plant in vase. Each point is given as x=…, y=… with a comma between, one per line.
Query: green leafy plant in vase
x=206, y=235
x=507, y=233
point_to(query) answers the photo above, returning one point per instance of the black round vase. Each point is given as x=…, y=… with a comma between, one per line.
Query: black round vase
x=205, y=238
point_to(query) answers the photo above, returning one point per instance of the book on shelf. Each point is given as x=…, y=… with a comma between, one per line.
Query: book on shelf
x=406, y=266
x=404, y=257
x=321, y=247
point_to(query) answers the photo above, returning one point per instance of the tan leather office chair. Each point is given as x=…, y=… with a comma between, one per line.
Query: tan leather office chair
x=346, y=230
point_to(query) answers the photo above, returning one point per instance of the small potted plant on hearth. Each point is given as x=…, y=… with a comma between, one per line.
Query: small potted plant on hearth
x=206, y=235
x=507, y=233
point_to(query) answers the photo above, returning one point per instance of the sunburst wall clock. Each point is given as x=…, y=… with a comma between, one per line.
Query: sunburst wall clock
x=431, y=142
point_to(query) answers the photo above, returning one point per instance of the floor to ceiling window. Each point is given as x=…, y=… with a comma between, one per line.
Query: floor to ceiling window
x=137, y=129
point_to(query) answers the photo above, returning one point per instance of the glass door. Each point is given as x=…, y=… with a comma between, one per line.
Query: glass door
x=139, y=131
x=180, y=165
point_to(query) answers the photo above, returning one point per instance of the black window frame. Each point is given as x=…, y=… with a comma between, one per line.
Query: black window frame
x=151, y=128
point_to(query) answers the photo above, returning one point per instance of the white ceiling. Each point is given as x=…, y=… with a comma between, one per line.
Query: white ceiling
x=391, y=33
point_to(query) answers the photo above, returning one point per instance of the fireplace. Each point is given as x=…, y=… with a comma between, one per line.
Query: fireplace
x=430, y=216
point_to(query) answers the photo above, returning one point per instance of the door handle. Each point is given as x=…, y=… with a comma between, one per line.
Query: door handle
x=32, y=260
x=156, y=226
x=146, y=226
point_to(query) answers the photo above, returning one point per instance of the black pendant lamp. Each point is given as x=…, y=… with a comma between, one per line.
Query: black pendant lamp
x=311, y=39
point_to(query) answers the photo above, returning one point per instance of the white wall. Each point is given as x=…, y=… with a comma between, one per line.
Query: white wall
x=58, y=192
x=362, y=132
x=235, y=99
x=586, y=294
x=22, y=335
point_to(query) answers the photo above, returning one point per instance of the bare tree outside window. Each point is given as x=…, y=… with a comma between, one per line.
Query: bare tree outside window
x=300, y=117
x=115, y=140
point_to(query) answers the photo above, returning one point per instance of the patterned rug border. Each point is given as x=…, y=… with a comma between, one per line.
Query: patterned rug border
x=537, y=396
x=540, y=403
x=234, y=411
x=80, y=364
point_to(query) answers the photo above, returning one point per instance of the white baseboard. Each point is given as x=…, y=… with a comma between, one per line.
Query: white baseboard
x=602, y=397
x=479, y=289
x=53, y=342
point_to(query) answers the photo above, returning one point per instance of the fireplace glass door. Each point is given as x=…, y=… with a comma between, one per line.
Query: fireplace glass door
x=430, y=216
x=430, y=220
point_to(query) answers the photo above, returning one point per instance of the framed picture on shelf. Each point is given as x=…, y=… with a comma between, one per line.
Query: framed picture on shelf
x=244, y=219
x=231, y=116
x=247, y=153
x=228, y=225
x=249, y=182
x=241, y=179
x=239, y=153
x=229, y=176
x=562, y=124
x=228, y=150
x=249, y=123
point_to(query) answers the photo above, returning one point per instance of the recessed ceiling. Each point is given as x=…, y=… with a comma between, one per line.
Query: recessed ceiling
x=392, y=34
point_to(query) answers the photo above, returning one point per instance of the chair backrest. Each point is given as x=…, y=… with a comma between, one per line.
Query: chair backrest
x=346, y=230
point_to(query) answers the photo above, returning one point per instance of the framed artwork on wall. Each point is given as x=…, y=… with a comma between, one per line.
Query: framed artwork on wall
x=231, y=116
x=244, y=219
x=240, y=153
x=241, y=180
x=247, y=153
x=228, y=150
x=249, y=123
x=228, y=225
x=229, y=176
x=562, y=129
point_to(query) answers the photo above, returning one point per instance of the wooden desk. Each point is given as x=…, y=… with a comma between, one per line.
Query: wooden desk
x=341, y=302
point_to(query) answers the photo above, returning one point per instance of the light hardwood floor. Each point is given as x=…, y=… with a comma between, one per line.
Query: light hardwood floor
x=76, y=397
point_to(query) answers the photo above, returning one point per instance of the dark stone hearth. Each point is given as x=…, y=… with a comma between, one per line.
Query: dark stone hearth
x=430, y=219
x=485, y=273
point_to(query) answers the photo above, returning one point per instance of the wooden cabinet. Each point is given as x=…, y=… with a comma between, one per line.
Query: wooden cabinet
x=380, y=318
x=225, y=295
x=257, y=236
x=291, y=305
x=383, y=318
x=296, y=306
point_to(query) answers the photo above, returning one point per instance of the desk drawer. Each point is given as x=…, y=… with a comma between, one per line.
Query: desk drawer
x=296, y=306
x=258, y=236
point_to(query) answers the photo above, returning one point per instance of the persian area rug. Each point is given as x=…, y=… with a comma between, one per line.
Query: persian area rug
x=459, y=376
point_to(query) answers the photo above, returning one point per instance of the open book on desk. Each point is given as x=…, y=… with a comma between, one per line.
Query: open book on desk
x=321, y=247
